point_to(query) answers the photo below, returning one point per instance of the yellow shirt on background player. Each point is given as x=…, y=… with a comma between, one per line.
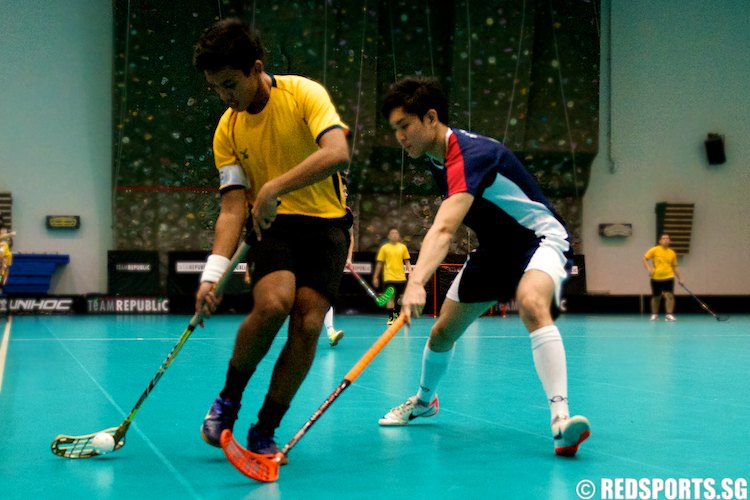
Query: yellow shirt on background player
x=393, y=256
x=664, y=259
x=268, y=144
x=6, y=259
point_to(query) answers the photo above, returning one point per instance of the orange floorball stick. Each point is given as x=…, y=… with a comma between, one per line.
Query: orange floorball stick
x=265, y=468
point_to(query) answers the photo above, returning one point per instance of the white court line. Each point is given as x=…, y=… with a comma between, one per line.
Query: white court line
x=167, y=463
x=4, y=349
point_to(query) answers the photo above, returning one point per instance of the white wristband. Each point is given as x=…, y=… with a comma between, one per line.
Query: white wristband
x=215, y=267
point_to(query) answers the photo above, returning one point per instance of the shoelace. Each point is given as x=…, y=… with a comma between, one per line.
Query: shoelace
x=404, y=409
x=225, y=414
x=557, y=425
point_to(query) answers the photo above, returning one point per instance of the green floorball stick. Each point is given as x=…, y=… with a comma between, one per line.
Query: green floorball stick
x=381, y=299
x=113, y=438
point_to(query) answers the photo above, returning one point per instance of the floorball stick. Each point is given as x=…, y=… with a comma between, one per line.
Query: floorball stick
x=82, y=446
x=704, y=306
x=381, y=299
x=265, y=468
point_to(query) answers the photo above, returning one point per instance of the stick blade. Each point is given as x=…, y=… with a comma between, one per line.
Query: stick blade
x=263, y=468
x=80, y=446
x=386, y=296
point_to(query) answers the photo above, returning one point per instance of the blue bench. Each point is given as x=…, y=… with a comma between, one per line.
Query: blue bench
x=32, y=272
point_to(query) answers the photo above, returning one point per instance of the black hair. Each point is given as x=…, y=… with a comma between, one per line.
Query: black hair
x=416, y=95
x=228, y=43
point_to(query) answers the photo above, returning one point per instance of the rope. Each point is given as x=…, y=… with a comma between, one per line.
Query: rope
x=515, y=74
x=395, y=77
x=564, y=103
x=121, y=128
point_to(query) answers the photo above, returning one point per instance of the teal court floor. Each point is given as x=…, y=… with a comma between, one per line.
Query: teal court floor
x=665, y=400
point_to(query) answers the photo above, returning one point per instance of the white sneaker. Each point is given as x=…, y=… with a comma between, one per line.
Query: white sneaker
x=654, y=317
x=669, y=317
x=569, y=433
x=405, y=413
x=335, y=336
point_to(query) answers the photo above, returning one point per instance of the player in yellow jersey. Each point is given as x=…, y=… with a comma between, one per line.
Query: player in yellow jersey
x=391, y=259
x=6, y=256
x=661, y=263
x=279, y=149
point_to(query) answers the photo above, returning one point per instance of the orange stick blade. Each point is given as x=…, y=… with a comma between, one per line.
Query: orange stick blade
x=264, y=468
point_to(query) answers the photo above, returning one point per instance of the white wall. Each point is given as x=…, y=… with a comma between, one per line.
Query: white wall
x=55, y=131
x=679, y=69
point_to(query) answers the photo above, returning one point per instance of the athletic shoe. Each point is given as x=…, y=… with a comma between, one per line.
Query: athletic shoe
x=669, y=317
x=569, y=433
x=654, y=317
x=220, y=416
x=411, y=409
x=333, y=338
x=263, y=443
x=390, y=321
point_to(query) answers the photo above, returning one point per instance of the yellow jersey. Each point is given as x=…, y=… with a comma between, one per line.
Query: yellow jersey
x=665, y=260
x=278, y=138
x=6, y=258
x=393, y=255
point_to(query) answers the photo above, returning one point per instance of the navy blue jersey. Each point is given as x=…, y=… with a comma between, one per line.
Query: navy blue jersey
x=509, y=207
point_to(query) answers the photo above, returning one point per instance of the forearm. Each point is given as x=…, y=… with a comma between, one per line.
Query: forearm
x=228, y=229
x=320, y=165
x=377, y=271
x=438, y=239
x=350, y=253
x=226, y=237
x=435, y=247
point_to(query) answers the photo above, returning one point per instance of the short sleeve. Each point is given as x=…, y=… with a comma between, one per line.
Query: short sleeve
x=318, y=110
x=381, y=254
x=224, y=151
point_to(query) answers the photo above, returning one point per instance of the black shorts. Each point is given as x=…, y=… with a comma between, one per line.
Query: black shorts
x=493, y=274
x=398, y=287
x=660, y=286
x=312, y=248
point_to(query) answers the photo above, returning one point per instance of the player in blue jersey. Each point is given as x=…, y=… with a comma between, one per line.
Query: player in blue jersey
x=523, y=251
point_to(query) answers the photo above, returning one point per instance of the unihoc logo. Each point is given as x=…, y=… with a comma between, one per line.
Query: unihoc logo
x=43, y=305
x=120, y=305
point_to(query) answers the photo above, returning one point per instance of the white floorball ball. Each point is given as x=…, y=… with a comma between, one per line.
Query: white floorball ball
x=103, y=443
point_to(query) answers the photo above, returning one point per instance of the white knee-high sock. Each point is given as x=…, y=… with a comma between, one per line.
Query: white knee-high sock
x=328, y=320
x=434, y=366
x=549, y=359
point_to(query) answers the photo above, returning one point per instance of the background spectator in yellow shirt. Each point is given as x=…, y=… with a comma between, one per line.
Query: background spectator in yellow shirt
x=661, y=263
x=391, y=259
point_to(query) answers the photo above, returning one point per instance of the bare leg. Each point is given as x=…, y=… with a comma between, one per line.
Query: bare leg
x=273, y=297
x=655, y=301
x=298, y=354
x=534, y=296
x=669, y=302
x=454, y=319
